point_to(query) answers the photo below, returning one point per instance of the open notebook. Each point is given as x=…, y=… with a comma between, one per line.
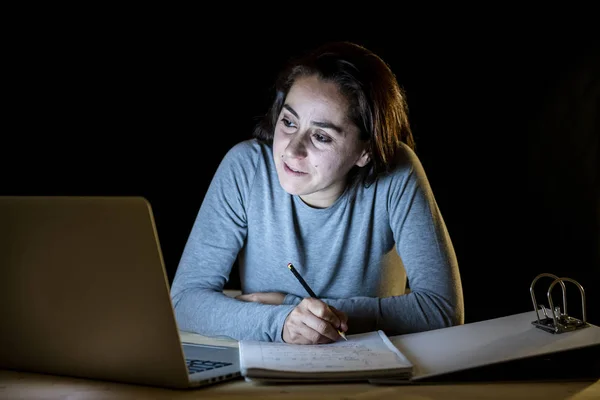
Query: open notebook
x=425, y=356
x=362, y=357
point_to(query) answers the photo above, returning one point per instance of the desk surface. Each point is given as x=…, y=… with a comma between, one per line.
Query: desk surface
x=19, y=385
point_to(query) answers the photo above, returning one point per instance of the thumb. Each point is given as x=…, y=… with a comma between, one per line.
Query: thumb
x=342, y=317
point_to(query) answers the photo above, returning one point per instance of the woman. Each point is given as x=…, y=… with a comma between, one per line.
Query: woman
x=330, y=183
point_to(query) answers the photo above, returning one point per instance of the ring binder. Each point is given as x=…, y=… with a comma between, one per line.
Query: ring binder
x=558, y=322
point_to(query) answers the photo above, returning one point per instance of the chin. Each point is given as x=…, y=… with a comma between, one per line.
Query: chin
x=285, y=184
x=292, y=190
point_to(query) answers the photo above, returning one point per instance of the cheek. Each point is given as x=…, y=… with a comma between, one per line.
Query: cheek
x=324, y=165
x=278, y=150
x=281, y=141
x=278, y=142
x=334, y=165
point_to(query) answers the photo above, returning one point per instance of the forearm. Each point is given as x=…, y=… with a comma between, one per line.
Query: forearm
x=413, y=312
x=212, y=313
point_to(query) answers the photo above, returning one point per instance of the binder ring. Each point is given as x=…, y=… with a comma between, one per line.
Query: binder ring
x=581, y=291
x=535, y=306
x=560, y=321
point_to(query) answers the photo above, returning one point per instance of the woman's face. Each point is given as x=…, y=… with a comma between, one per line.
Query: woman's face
x=315, y=144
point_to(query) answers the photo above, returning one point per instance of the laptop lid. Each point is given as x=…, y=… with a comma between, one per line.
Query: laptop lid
x=84, y=291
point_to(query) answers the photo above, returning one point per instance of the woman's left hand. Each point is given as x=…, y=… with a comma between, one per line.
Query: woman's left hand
x=273, y=298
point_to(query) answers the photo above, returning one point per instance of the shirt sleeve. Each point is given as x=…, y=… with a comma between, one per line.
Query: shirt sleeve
x=435, y=299
x=216, y=237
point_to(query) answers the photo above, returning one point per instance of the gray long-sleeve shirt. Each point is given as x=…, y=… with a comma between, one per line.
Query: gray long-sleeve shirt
x=355, y=255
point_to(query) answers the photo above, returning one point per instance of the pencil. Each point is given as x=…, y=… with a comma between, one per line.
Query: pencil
x=309, y=290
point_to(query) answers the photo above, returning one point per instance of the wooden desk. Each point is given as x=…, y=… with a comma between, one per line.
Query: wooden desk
x=18, y=385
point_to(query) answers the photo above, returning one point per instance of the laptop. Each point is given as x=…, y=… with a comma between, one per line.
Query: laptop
x=84, y=293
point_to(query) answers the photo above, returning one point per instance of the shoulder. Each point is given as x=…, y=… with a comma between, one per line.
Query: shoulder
x=242, y=163
x=246, y=154
x=408, y=164
x=247, y=149
x=408, y=173
x=408, y=158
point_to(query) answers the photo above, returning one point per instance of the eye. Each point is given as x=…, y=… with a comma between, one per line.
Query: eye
x=321, y=138
x=287, y=123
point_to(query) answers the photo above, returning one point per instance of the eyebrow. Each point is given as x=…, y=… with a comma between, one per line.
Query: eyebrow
x=320, y=124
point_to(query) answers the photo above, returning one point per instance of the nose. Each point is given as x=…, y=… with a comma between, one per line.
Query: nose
x=296, y=148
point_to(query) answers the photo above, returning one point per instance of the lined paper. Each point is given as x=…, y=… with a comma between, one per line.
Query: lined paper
x=362, y=352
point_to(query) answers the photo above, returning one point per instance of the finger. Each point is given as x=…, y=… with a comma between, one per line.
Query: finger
x=343, y=318
x=295, y=331
x=321, y=328
x=298, y=329
x=308, y=335
x=323, y=311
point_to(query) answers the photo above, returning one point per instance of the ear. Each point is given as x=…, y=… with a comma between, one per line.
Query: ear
x=364, y=158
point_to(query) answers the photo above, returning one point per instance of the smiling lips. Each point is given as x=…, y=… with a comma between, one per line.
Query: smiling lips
x=292, y=171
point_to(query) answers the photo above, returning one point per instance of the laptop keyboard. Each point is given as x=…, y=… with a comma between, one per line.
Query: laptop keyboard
x=203, y=365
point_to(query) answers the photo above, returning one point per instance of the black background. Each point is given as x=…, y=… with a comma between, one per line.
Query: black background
x=505, y=117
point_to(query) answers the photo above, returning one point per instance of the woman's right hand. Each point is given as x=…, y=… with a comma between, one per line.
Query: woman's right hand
x=314, y=322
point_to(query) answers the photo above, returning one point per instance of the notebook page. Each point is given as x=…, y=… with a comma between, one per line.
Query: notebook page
x=368, y=351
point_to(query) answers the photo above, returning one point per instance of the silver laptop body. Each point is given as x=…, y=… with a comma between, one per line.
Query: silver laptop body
x=84, y=293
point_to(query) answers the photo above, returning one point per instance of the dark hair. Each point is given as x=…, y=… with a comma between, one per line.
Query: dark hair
x=377, y=103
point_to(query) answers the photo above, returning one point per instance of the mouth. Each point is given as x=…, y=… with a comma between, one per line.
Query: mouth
x=292, y=171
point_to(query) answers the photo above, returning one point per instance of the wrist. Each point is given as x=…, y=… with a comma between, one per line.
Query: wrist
x=291, y=299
